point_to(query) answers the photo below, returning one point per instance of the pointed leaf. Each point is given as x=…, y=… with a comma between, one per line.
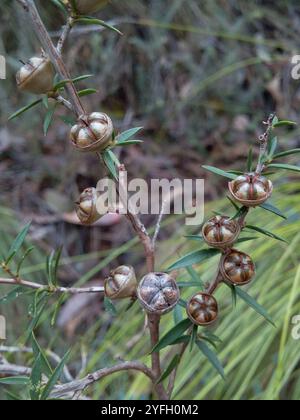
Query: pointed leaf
x=286, y=153
x=110, y=162
x=38, y=351
x=266, y=233
x=126, y=135
x=48, y=119
x=220, y=172
x=18, y=242
x=16, y=380
x=195, y=257
x=284, y=123
x=292, y=168
x=55, y=376
x=272, y=209
x=173, y=364
x=172, y=335
x=86, y=92
x=254, y=305
x=92, y=21
x=211, y=356
x=24, y=109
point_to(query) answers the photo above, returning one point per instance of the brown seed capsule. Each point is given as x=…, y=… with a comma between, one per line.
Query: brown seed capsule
x=121, y=283
x=158, y=293
x=251, y=189
x=36, y=76
x=92, y=133
x=221, y=232
x=87, y=6
x=86, y=207
x=237, y=268
x=202, y=309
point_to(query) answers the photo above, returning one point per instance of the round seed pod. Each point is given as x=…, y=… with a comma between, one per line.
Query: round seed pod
x=87, y=6
x=158, y=293
x=221, y=232
x=251, y=189
x=202, y=309
x=36, y=76
x=92, y=133
x=86, y=208
x=237, y=268
x=121, y=283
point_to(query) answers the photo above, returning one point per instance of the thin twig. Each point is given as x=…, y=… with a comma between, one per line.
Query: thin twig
x=264, y=141
x=60, y=99
x=37, y=286
x=64, y=35
x=50, y=49
x=158, y=224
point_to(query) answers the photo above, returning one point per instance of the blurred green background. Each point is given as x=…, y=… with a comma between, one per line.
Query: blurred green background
x=199, y=76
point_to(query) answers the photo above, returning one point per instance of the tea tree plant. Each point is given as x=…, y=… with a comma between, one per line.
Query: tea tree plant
x=157, y=292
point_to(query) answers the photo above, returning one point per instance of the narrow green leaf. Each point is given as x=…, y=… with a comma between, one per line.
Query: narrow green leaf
x=250, y=160
x=184, y=339
x=48, y=119
x=57, y=307
x=109, y=306
x=254, y=305
x=195, y=277
x=129, y=143
x=284, y=123
x=211, y=356
x=68, y=120
x=266, y=233
x=18, y=242
x=272, y=148
x=240, y=213
x=275, y=120
x=233, y=203
x=195, y=257
x=173, y=364
x=11, y=296
x=62, y=83
x=272, y=209
x=55, y=376
x=194, y=336
x=86, y=92
x=198, y=238
x=24, y=109
x=35, y=320
x=81, y=78
x=38, y=351
x=177, y=314
x=61, y=6
x=16, y=380
x=45, y=100
x=27, y=252
x=172, y=335
x=36, y=378
x=220, y=172
x=292, y=168
x=286, y=153
x=110, y=162
x=128, y=134
x=247, y=239
x=92, y=21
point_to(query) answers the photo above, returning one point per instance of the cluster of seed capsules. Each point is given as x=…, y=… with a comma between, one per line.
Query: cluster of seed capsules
x=157, y=292
x=236, y=268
